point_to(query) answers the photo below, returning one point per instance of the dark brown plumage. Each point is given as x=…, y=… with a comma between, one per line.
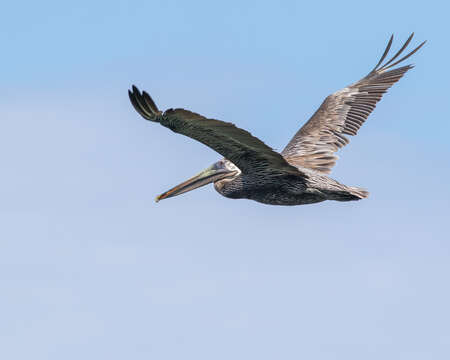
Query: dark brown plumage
x=239, y=146
x=253, y=170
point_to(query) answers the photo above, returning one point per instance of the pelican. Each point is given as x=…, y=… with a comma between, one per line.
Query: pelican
x=298, y=175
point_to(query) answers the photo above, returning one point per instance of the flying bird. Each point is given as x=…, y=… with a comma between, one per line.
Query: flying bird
x=298, y=175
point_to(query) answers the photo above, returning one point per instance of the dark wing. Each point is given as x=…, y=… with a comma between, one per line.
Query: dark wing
x=343, y=113
x=247, y=152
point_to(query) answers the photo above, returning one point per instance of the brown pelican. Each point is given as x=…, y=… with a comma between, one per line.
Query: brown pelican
x=252, y=170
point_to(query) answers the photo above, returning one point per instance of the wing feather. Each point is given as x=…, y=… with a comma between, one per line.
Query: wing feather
x=343, y=113
x=237, y=145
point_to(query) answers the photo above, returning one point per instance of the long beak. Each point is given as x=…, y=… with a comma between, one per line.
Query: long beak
x=207, y=176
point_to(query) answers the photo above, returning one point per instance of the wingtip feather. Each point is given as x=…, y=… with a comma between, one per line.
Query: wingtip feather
x=141, y=104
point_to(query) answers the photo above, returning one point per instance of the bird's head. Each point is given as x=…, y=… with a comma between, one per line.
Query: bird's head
x=223, y=170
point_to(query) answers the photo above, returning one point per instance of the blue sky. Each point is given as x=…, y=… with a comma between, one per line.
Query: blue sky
x=91, y=267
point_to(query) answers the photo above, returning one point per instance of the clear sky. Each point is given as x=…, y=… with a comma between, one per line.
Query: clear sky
x=92, y=268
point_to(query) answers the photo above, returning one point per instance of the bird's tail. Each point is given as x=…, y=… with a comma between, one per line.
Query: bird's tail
x=358, y=192
x=333, y=190
x=345, y=193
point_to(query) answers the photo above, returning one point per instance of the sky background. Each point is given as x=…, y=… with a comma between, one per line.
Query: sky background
x=92, y=268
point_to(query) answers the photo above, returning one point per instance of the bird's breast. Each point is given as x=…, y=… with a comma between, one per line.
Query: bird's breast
x=277, y=190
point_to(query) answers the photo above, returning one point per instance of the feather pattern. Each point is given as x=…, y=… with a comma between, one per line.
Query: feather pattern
x=247, y=152
x=343, y=113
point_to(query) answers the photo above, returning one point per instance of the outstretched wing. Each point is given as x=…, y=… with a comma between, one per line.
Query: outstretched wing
x=343, y=113
x=247, y=152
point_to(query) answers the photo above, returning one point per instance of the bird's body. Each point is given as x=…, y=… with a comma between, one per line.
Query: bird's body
x=287, y=189
x=297, y=175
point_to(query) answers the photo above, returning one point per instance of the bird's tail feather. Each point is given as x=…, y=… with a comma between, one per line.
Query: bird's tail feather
x=358, y=192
